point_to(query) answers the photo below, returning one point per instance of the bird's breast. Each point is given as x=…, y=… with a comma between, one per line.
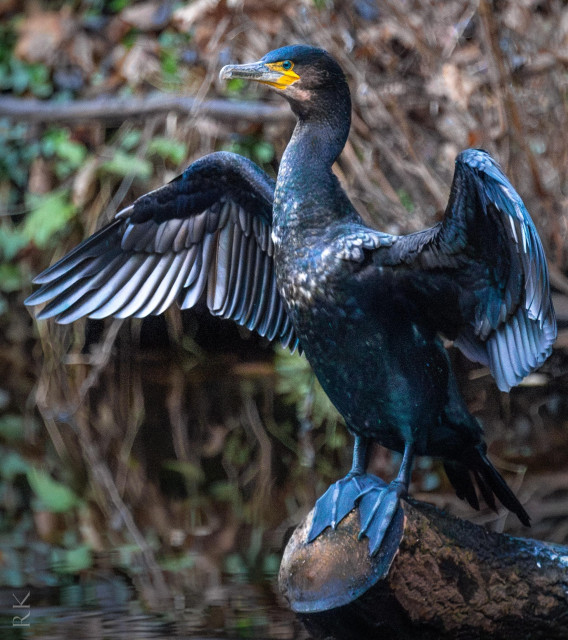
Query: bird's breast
x=308, y=275
x=303, y=281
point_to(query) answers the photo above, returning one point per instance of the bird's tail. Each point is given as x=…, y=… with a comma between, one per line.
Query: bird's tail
x=478, y=470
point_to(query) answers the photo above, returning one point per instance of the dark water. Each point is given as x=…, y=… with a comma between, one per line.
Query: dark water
x=181, y=499
x=113, y=612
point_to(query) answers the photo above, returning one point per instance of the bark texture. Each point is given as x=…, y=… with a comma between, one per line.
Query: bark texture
x=435, y=577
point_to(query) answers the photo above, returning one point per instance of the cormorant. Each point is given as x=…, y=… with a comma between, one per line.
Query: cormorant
x=294, y=261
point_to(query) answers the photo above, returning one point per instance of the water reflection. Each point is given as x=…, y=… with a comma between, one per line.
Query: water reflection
x=155, y=501
x=108, y=610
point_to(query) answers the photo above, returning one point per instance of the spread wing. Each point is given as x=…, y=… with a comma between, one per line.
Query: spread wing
x=209, y=230
x=481, y=274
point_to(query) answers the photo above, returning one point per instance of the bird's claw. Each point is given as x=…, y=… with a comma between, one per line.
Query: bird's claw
x=340, y=499
x=378, y=506
x=377, y=503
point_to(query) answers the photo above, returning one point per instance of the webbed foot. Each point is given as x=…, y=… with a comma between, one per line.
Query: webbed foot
x=377, y=509
x=377, y=502
x=340, y=499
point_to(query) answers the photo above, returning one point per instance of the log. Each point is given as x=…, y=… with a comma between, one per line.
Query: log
x=435, y=577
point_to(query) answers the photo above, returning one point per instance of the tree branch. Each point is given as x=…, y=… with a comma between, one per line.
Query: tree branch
x=113, y=109
x=435, y=577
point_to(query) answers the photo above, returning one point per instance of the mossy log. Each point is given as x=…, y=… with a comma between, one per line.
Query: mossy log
x=435, y=576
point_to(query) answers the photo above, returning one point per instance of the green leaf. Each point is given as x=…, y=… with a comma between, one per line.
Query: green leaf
x=406, y=200
x=125, y=164
x=271, y=564
x=70, y=154
x=53, y=496
x=12, y=464
x=263, y=152
x=11, y=426
x=39, y=81
x=130, y=139
x=11, y=241
x=235, y=565
x=49, y=214
x=71, y=560
x=171, y=150
x=225, y=491
x=21, y=76
x=190, y=471
x=11, y=278
x=118, y=5
x=178, y=563
x=169, y=63
x=235, y=85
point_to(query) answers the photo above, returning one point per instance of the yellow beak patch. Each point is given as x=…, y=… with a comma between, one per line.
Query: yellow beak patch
x=286, y=78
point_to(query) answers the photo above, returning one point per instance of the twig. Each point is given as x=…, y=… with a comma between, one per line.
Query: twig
x=102, y=479
x=253, y=419
x=110, y=109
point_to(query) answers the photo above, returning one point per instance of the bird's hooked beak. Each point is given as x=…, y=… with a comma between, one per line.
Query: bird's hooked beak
x=273, y=74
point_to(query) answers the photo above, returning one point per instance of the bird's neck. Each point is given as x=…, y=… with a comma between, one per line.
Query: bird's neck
x=307, y=191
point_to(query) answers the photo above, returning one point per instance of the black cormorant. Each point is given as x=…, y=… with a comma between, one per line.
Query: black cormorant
x=294, y=261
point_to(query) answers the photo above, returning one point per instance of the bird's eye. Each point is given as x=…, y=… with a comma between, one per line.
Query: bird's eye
x=287, y=65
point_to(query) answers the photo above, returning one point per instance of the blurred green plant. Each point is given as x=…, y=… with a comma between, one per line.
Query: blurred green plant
x=117, y=5
x=406, y=200
x=172, y=151
x=298, y=385
x=69, y=155
x=13, y=428
x=172, y=44
x=130, y=139
x=124, y=164
x=258, y=150
x=50, y=494
x=71, y=561
x=16, y=75
x=47, y=217
x=19, y=77
x=235, y=86
x=16, y=154
x=12, y=464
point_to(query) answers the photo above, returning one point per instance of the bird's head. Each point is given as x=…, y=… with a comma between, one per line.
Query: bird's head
x=304, y=75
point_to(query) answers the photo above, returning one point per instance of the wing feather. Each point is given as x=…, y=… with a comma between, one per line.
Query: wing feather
x=209, y=230
x=486, y=266
x=218, y=285
x=239, y=271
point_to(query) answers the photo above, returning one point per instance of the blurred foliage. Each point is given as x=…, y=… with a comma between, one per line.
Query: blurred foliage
x=172, y=151
x=48, y=215
x=19, y=77
x=16, y=154
x=298, y=386
x=172, y=48
x=68, y=155
x=51, y=495
x=259, y=151
x=124, y=164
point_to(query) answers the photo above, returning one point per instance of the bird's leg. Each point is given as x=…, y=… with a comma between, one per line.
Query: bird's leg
x=340, y=498
x=377, y=507
x=360, y=457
